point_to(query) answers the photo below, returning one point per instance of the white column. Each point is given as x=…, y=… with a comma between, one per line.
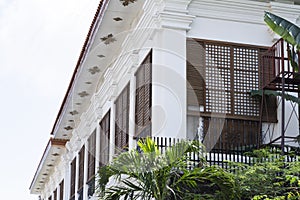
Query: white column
x=132, y=142
x=169, y=71
x=112, y=130
x=169, y=84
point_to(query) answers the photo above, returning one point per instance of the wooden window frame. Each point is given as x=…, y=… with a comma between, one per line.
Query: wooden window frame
x=143, y=98
x=122, y=119
x=238, y=99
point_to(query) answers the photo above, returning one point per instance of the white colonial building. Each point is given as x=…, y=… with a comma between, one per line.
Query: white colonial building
x=165, y=69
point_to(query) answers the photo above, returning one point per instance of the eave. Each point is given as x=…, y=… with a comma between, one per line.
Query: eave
x=97, y=55
x=51, y=157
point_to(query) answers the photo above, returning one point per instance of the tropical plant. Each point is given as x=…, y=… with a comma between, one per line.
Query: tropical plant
x=146, y=173
x=269, y=178
x=285, y=29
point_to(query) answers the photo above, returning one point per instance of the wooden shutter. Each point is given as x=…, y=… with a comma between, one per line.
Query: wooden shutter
x=122, y=119
x=61, y=190
x=269, y=109
x=55, y=194
x=195, y=72
x=143, y=98
x=81, y=168
x=73, y=176
x=104, y=139
x=229, y=134
x=91, y=156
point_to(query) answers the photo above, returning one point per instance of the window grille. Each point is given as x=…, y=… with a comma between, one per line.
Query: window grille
x=143, y=98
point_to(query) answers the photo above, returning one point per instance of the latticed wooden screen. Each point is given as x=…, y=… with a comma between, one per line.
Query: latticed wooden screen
x=122, y=119
x=218, y=78
x=231, y=73
x=246, y=78
x=61, y=190
x=104, y=139
x=73, y=177
x=143, y=98
x=91, y=156
x=81, y=168
x=223, y=74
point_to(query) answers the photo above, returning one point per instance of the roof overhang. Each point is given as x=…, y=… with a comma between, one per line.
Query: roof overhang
x=51, y=156
x=111, y=25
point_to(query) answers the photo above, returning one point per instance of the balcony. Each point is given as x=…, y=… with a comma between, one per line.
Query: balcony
x=277, y=72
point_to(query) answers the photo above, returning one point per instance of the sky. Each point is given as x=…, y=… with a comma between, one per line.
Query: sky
x=40, y=43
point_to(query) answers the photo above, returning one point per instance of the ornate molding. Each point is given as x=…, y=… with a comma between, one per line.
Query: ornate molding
x=174, y=20
x=233, y=10
x=178, y=6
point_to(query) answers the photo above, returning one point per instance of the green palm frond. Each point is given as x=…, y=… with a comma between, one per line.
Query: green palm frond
x=148, y=146
x=285, y=29
x=147, y=173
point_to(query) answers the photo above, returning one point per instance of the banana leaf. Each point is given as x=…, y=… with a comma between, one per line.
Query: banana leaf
x=285, y=29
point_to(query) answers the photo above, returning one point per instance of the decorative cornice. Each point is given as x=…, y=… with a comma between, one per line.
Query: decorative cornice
x=241, y=10
x=288, y=11
x=178, y=6
x=174, y=20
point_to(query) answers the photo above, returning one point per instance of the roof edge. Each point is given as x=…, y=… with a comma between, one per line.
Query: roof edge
x=51, y=142
x=89, y=36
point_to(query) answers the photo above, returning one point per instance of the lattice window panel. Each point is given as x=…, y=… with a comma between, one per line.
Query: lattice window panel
x=217, y=78
x=246, y=78
x=231, y=73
